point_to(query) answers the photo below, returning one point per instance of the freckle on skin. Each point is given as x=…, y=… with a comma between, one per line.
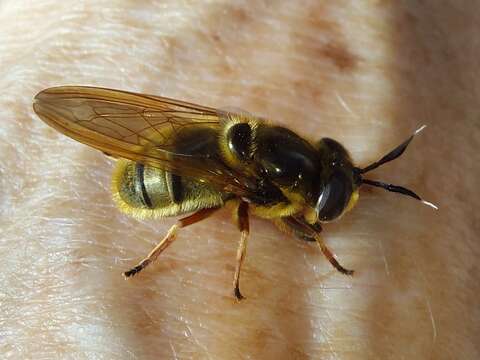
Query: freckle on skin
x=307, y=89
x=239, y=15
x=341, y=57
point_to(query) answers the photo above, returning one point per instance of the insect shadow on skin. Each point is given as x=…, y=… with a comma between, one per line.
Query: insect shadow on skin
x=177, y=158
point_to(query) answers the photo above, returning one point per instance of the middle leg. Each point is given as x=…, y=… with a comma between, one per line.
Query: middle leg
x=244, y=227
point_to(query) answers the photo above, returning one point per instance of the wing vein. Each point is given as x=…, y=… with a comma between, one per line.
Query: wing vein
x=142, y=128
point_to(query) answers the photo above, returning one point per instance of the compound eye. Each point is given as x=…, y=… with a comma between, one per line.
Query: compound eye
x=334, y=197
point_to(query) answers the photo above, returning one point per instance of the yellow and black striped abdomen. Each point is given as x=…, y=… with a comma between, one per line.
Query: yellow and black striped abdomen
x=147, y=192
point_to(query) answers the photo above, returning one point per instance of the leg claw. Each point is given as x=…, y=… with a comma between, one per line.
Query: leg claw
x=238, y=295
x=133, y=271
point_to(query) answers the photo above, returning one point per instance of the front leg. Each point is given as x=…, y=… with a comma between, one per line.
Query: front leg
x=305, y=230
x=293, y=228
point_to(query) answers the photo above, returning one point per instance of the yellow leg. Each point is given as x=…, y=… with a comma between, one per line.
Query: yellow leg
x=328, y=254
x=304, y=230
x=244, y=227
x=168, y=239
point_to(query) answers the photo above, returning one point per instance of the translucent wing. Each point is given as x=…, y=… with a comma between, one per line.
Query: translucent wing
x=138, y=127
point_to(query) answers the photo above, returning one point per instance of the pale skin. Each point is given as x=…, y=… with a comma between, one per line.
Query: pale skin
x=365, y=73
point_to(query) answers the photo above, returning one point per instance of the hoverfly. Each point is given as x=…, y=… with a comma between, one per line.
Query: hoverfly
x=177, y=158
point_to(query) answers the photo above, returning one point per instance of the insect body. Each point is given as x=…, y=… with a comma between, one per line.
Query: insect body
x=177, y=158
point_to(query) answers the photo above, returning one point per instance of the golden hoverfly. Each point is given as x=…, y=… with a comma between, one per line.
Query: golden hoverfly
x=177, y=158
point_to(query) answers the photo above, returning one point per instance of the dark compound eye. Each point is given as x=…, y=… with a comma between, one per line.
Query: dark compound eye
x=334, y=197
x=335, y=150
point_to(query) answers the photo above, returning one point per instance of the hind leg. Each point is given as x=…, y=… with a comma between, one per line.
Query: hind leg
x=169, y=238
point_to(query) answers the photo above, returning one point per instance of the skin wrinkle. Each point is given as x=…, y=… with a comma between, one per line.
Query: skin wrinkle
x=64, y=245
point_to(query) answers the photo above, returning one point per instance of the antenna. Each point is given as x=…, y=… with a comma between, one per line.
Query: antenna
x=392, y=155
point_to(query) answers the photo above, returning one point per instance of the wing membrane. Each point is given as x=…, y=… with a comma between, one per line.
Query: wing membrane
x=138, y=127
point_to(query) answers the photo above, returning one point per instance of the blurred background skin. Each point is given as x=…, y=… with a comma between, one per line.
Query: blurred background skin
x=366, y=73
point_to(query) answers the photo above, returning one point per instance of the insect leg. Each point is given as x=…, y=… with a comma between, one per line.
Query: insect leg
x=299, y=232
x=299, y=226
x=330, y=257
x=244, y=227
x=169, y=238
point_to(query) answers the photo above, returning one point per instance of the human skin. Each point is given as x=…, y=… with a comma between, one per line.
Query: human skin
x=365, y=73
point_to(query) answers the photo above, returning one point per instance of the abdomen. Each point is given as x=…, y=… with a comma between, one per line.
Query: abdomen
x=145, y=192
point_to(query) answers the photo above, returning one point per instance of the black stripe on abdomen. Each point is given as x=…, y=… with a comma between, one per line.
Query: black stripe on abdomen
x=140, y=171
